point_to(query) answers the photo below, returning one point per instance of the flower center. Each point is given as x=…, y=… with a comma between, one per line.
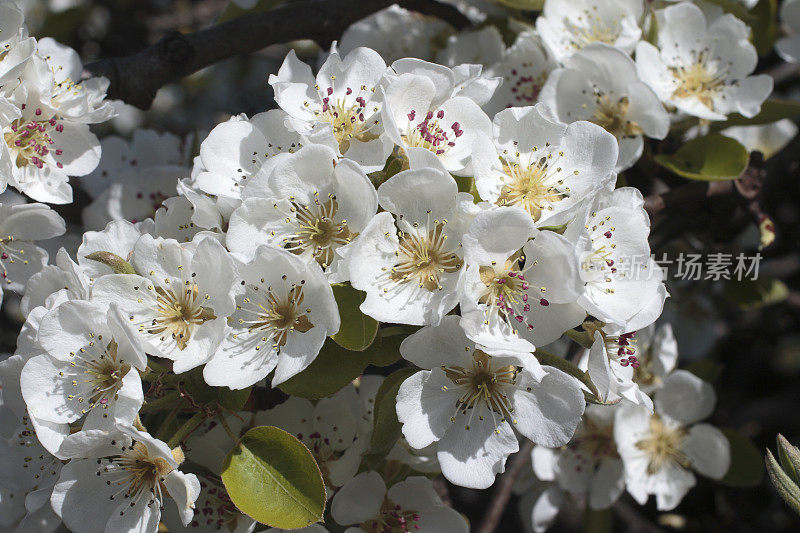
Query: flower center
x=392, y=519
x=347, y=116
x=526, y=88
x=317, y=231
x=610, y=115
x=102, y=372
x=179, y=312
x=432, y=133
x=663, y=446
x=591, y=29
x=139, y=476
x=593, y=442
x=423, y=258
x=483, y=388
x=698, y=80
x=277, y=316
x=30, y=141
x=508, y=293
x=531, y=186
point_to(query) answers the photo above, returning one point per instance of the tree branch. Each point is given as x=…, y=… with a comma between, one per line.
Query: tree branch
x=136, y=79
x=497, y=507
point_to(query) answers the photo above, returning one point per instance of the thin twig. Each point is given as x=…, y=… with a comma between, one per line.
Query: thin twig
x=505, y=484
x=137, y=78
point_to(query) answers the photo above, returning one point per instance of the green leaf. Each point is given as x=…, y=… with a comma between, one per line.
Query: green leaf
x=357, y=330
x=386, y=428
x=273, y=478
x=710, y=158
x=233, y=11
x=196, y=386
x=735, y=8
x=764, y=27
x=706, y=369
x=755, y=293
x=113, y=261
x=789, y=457
x=335, y=367
x=746, y=468
x=524, y=5
x=772, y=110
x=786, y=488
x=231, y=399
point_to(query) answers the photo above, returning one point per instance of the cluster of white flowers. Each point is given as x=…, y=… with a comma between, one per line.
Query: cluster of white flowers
x=474, y=198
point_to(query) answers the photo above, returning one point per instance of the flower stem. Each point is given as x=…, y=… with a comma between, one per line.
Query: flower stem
x=187, y=427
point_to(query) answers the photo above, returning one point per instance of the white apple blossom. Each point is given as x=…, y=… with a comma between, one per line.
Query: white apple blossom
x=20, y=226
x=611, y=364
x=90, y=368
x=237, y=150
x=470, y=403
x=330, y=430
x=660, y=451
x=147, y=149
x=395, y=33
x=478, y=47
x=408, y=259
x=623, y=284
x=119, y=481
x=118, y=237
x=524, y=67
x=180, y=299
x=431, y=107
x=589, y=464
x=310, y=205
x=66, y=280
x=703, y=67
x=28, y=470
x=340, y=107
x=284, y=311
x=789, y=47
x=134, y=195
x=536, y=162
x=410, y=505
x=15, y=45
x=600, y=84
x=567, y=26
x=517, y=293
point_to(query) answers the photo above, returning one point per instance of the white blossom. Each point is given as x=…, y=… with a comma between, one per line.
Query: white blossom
x=470, y=403
x=284, y=311
x=660, y=451
x=703, y=68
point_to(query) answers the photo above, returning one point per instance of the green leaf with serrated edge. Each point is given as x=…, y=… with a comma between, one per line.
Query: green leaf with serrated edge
x=357, y=330
x=524, y=5
x=710, y=158
x=386, y=427
x=335, y=367
x=789, y=457
x=233, y=11
x=272, y=477
x=233, y=400
x=566, y=367
x=772, y=110
x=783, y=484
x=747, y=467
x=706, y=369
x=113, y=261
